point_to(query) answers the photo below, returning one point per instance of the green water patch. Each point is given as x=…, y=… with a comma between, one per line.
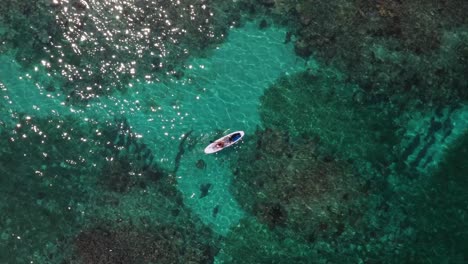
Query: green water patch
x=427, y=135
x=439, y=207
x=322, y=105
x=435, y=208
x=453, y=167
x=34, y=92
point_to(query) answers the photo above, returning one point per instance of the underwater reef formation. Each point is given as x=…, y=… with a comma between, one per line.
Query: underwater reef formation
x=156, y=244
x=129, y=160
x=437, y=208
x=95, y=47
x=325, y=210
x=306, y=188
x=35, y=213
x=321, y=204
x=89, y=192
x=293, y=183
x=252, y=242
x=434, y=204
x=395, y=50
x=45, y=183
x=323, y=106
x=424, y=132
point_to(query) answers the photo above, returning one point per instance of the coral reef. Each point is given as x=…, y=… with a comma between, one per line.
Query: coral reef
x=349, y=164
x=313, y=179
x=162, y=244
x=243, y=246
x=434, y=204
x=289, y=182
x=322, y=106
x=326, y=210
x=45, y=177
x=129, y=160
x=85, y=188
x=95, y=47
x=27, y=27
x=422, y=134
x=387, y=47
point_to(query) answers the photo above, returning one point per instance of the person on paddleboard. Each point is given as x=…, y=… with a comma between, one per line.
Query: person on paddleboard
x=220, y=144
x=233, y=138
x=224, y=142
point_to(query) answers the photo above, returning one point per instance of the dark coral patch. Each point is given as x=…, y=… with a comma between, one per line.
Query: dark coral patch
x=200, y=164
x=165, y=244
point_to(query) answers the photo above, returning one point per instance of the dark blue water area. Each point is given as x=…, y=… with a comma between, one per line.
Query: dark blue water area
x=355, y=118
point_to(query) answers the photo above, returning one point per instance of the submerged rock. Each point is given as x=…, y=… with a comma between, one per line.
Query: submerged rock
x=201, y=164
x=204, y=189
x=215, y=211
x=302, y=49
x=263, y=24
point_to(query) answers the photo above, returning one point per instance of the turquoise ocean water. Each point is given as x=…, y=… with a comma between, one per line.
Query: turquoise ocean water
x=106, y=107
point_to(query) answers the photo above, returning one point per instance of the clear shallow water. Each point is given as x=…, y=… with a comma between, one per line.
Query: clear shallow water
x=101, y=161
x=219, y=93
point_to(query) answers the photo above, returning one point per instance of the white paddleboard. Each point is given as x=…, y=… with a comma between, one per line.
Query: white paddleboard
x=224, y=142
